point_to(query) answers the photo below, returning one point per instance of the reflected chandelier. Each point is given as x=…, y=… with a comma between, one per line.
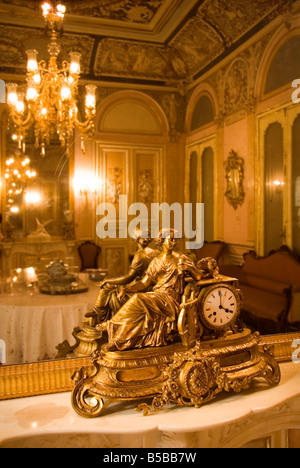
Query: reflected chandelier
x=50, y=99
x=17, y=175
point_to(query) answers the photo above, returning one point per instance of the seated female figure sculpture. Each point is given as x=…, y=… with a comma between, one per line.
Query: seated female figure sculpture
x=150, y=318
x=108, y=303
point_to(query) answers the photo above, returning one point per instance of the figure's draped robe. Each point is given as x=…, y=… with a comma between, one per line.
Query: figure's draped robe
x=150, y=318
x=107, y=303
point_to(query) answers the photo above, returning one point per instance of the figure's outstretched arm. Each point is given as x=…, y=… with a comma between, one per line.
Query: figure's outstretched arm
x=195, y=273
x=139, y=286
x=186, y=265
x=121, y=280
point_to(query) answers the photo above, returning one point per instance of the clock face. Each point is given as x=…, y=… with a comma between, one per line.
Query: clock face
x=220, y=306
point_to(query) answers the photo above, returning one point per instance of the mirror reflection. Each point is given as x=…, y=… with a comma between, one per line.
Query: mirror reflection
x=38, y=227
x=36, y=190
x=156, y=135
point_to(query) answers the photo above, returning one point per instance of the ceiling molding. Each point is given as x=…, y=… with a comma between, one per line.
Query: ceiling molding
x=162, y=43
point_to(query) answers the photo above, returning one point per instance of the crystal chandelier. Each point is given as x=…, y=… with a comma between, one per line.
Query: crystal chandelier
x=50, y=100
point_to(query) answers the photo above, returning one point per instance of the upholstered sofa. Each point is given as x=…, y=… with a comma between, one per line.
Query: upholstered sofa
x=271, y=290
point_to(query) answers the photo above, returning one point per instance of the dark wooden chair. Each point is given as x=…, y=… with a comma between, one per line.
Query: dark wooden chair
x=89, y=253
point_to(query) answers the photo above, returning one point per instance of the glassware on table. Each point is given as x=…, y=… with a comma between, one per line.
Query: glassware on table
x=23, y=281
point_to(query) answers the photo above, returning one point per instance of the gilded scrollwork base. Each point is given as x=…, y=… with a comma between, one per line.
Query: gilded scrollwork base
x=197, y=376
x=120, y=376
x=173, y=374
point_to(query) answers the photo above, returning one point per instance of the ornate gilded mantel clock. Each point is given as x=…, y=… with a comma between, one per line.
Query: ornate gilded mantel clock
x=211, y=352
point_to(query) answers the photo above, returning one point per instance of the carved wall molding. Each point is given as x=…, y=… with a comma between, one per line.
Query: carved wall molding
x=151, y=102
x=114, y=184
x=145, y=189
x=236, y=87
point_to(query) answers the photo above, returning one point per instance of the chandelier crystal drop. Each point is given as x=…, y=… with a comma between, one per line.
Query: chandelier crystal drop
x=49, y=102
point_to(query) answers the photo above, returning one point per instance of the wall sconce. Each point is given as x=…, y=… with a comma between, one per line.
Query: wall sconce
x=14, y=209
x=278, y=185
x=88, y=192
x=87, y=185
x=274, y=189
x=32, y=197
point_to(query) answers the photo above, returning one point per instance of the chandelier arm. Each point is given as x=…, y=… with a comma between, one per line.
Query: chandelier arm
x=17, y=120
x=88, y=122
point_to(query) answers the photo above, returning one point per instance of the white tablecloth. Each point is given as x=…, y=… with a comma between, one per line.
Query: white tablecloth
x=32, y=326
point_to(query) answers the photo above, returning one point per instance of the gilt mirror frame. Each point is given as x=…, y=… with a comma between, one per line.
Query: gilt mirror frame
x=55, y=376
x=234, y=173
x=47, y=377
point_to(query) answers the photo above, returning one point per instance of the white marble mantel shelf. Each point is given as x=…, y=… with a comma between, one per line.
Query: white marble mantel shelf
x=229, y=421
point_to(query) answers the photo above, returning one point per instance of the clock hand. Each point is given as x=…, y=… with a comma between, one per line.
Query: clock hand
x=220, y=295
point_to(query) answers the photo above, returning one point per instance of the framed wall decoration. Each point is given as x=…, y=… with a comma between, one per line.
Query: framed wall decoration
x=234, y=173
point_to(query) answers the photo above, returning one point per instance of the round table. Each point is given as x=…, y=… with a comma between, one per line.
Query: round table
x=31, y=326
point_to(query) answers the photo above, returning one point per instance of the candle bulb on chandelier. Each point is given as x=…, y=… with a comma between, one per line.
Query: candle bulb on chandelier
x=36, y=78
x=46, y=7
x=90, y=99
x=31, y=93
x=75, y=63
x=32, y=65
x=12, y=95
x=65, y=92
x=20, y=106
x=61, y=9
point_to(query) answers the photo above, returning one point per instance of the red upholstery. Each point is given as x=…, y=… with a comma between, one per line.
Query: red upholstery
x=267, y=284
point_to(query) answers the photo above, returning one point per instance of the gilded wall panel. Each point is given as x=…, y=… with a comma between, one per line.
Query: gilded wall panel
x=145, y=178
x=115, y=176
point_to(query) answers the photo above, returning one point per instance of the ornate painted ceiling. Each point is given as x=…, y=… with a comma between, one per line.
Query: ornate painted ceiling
x=162, y=42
